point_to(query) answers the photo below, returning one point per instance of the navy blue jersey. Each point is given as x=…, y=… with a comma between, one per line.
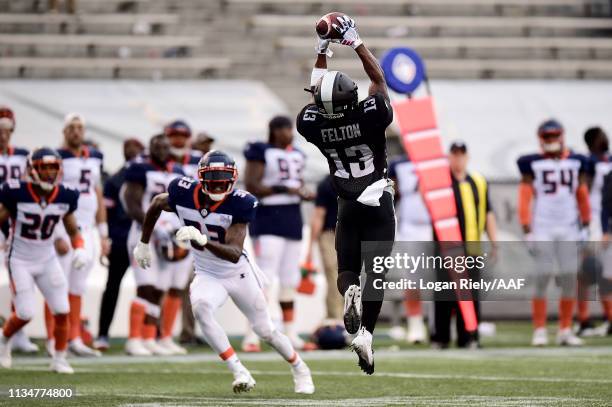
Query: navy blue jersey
x=118, y=221
x=33, y=219
x=279, y=214
x=153, y=178
x=186, y=199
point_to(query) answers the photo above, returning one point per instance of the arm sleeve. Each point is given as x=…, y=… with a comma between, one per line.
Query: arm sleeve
x=173, y=191
x=381, y=111
x=136, y=173
x=73, y=201
x=307, y=117
x=524, y=165
x=248, y=208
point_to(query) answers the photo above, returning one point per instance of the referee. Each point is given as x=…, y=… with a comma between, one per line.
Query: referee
x=475, y=216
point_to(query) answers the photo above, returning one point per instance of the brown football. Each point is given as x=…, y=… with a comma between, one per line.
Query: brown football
x=324, y=26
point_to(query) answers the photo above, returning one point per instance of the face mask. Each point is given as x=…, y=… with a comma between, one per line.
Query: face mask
x=216, y=197
x=46, y=186
x=551, y=147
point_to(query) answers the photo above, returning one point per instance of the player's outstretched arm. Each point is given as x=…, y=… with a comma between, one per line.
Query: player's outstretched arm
x=373, y=70
x=132, y=196
x=231, y=250
x=159, y=204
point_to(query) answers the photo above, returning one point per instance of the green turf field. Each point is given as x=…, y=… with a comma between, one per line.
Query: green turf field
x=504, y=373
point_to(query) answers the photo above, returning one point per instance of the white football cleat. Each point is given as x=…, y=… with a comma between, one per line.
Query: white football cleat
x=152, y=346
x=50, y=347
x=59, y=364
x=362, y=346
x=243, y=381
x=6, y=359
x=565, y=337
x=22, y=343
x=78, y=348
x=102, y=344
x=135, y=347
x=417, y=333
x=352, y=309
x=397, y=333
x=250, y=343
x=172, y=346
x=540, y=337
x=302, y=379
x=602, y=330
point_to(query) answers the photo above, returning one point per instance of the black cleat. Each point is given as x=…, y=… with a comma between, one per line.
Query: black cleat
x=352, y=309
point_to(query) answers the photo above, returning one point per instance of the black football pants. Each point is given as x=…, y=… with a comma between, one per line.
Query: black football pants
x=359, y=223
x=118, y=262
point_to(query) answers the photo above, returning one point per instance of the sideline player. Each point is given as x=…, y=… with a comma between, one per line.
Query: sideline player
x=414, y=225
x=143, y=181
x=351, y=135
x=82, y=170
x=274, y=175
x=215, y=218
x=554, y=212
x=13, y=162
x=35, y=208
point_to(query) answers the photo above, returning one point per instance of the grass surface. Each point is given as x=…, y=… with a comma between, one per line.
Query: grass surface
x=505, y=373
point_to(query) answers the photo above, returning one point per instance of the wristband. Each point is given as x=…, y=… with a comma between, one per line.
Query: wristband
x=103, y=229
x=279, y=189
x=77, y=242
x=316, y=74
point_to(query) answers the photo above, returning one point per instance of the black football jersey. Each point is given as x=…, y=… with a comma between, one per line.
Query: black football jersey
x=355, y=145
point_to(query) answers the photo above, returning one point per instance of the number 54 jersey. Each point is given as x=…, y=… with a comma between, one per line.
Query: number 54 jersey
x=33, y=219
x=555, y=181
x=186, y=199
x=354, y=145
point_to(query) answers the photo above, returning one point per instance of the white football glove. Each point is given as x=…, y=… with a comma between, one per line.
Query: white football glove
x=142, y=255
x=322, y=47
x=80, y=258
x=187, y=233
x=348, y=30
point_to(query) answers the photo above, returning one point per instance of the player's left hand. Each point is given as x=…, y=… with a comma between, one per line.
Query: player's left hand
x=79, y=258
x=348, y=30
x=187, y=233
x=322, y=47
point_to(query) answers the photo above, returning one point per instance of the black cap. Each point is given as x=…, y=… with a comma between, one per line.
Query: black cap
x=458, y=146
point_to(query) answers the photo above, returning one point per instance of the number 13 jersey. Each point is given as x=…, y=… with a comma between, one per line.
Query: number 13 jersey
x=555, y=181
x=33, y=221
x=354, y=145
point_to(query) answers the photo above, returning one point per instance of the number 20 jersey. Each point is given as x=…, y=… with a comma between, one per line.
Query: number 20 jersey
x=555, y=182
x=83, y=173
x=33, y=224
x=354, y=145
x=185, y=197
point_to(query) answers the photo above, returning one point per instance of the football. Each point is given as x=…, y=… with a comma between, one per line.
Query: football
x=324, y=26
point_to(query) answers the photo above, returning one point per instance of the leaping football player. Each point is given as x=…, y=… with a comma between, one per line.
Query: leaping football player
x=351, y=135
x=35, y=208
x=554, y=208
x=83, y=171
x=13, y=162
x=215, y=217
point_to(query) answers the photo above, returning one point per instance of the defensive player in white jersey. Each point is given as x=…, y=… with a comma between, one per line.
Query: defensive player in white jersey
x=553, y=209
x=170, y=270
x=215, y=219
x=13, y=162
x=414, y=225
x=82, y=171
x=35, y=208
x=274, y=175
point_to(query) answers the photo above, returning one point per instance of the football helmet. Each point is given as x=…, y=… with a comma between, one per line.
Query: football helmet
x=7, y=118
x=217, y=173
x=178, y=132
x=45, y=168
x=550, y=134
x=335, y=94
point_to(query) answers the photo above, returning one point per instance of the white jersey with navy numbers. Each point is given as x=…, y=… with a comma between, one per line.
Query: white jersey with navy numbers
x=13, y=164
x=33, y=219
x=154, y=180
x=278, y=214
x=412, y=209
x=186, y=198
x=555, y=181
x=84, y=173
x=599, y=167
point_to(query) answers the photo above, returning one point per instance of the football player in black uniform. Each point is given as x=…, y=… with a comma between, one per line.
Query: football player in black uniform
x=351, y=135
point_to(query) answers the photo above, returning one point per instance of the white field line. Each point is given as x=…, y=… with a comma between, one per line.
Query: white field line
x=397, y=375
